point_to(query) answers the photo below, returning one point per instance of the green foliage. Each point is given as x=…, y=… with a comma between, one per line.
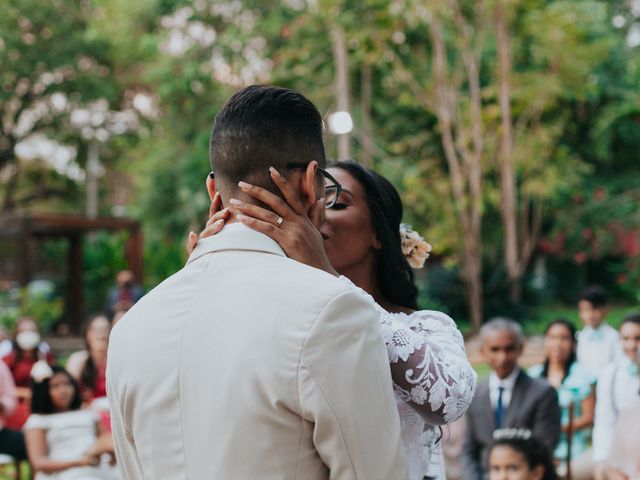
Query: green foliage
x=42, y=306
x=103, y=259
x=573, y=97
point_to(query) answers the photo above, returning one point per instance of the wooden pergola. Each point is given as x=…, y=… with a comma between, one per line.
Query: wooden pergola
x=23, y=230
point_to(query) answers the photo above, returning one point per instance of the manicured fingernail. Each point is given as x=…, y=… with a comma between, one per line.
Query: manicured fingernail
x=244, y=185
x=235, y=202
x=192, y=234
x=242, y=218
x=217, y=223
x=274, y=172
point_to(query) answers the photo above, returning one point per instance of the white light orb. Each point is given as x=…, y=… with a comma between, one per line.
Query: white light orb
x=340, y=123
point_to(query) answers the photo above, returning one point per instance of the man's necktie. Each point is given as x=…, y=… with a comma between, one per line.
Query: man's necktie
x=500, y=408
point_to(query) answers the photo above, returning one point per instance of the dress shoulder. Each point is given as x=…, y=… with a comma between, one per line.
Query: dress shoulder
x=535, y=371
x=434, y=323
x=37, y=422
x=580, y=375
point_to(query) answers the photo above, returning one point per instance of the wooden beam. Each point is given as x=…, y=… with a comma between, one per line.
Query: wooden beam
x=134, y=253
x=75, y=294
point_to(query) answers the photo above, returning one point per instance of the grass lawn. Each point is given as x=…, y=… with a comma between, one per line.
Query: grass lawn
x=8, y=472
x=540, y=317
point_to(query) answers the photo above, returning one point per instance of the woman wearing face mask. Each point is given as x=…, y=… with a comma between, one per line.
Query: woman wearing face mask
x=363, y=241
x=516, y=455
x=576, y=386
x=28, y=348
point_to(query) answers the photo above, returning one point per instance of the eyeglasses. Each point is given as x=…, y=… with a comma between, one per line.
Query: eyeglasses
x=331, y=191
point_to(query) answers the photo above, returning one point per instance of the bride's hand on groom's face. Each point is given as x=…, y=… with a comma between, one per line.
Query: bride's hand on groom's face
x=297, y=233
x=288, y=222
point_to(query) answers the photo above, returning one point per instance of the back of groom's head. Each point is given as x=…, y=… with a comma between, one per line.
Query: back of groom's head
x=262, y=126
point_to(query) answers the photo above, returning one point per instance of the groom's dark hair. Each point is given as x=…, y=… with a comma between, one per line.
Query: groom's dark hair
x=262, y=126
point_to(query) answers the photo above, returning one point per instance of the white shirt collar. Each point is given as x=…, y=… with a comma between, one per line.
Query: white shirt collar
x=236, y=236
x=508, y=383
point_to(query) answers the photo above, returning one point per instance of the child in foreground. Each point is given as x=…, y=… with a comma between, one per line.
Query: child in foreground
x=517, y=455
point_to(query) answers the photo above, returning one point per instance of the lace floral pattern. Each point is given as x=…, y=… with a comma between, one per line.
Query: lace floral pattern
x=433, y=381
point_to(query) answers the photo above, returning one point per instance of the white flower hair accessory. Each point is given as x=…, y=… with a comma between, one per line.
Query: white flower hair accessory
x=41, y=371
x=512, y=434
x=414, y=248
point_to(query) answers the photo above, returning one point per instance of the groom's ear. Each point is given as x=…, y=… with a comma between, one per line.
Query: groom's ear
x=309, y=191
x=211, y=185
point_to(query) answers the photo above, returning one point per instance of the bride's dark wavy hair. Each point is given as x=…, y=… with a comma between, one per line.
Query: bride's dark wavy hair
x=395, y=276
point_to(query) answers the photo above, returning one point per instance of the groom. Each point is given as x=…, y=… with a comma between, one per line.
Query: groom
x=246, y=364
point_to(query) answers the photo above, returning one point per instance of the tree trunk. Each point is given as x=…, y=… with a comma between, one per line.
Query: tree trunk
x=465, y=172
x=92, y=173
x=341, y=86
x=368, y=145
x=508, y=207
x=8, y=203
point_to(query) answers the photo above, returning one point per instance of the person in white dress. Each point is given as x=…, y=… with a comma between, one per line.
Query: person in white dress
x=63, y=441
x=617, y=388
x=363, y=241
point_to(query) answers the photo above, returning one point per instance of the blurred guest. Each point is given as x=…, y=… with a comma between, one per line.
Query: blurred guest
x=5, y=342
x=576, y=386
x=517, y=455
x=88, y=366
x=28, y=348
x=598, y=341
x=124, y=294
x=617, y=387
x=508, y=398
x=11, y=442
x=452, y=443
x=63, y=441
x=117, y=316
x=623, y=461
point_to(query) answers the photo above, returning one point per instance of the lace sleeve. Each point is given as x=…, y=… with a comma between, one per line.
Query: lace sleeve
x=429, y=365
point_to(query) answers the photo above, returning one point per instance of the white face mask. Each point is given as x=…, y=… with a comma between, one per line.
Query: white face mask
x=28, y=340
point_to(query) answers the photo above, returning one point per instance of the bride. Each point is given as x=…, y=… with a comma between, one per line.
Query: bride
x=362, y=240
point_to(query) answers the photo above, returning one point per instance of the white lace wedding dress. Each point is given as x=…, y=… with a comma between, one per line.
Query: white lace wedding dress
x=431, y=377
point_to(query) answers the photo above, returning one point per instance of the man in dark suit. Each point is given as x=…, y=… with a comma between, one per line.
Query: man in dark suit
x=509, y=398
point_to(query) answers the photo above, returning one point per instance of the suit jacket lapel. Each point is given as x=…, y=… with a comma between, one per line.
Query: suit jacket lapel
x=487, y=415
x=517, y=398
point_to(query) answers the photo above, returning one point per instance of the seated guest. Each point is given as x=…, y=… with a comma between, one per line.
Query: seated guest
x=509, y=398
x=5, y=342
x=617, y=387
x=517, y=455
x=88, y=366
x=598, y=341
x=575, y=386
x=63, y=441
x=124, y=294
x=28, y=348
x=11, y=442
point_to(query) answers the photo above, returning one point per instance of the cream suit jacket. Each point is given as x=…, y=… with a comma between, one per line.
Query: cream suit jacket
x=247, y=365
